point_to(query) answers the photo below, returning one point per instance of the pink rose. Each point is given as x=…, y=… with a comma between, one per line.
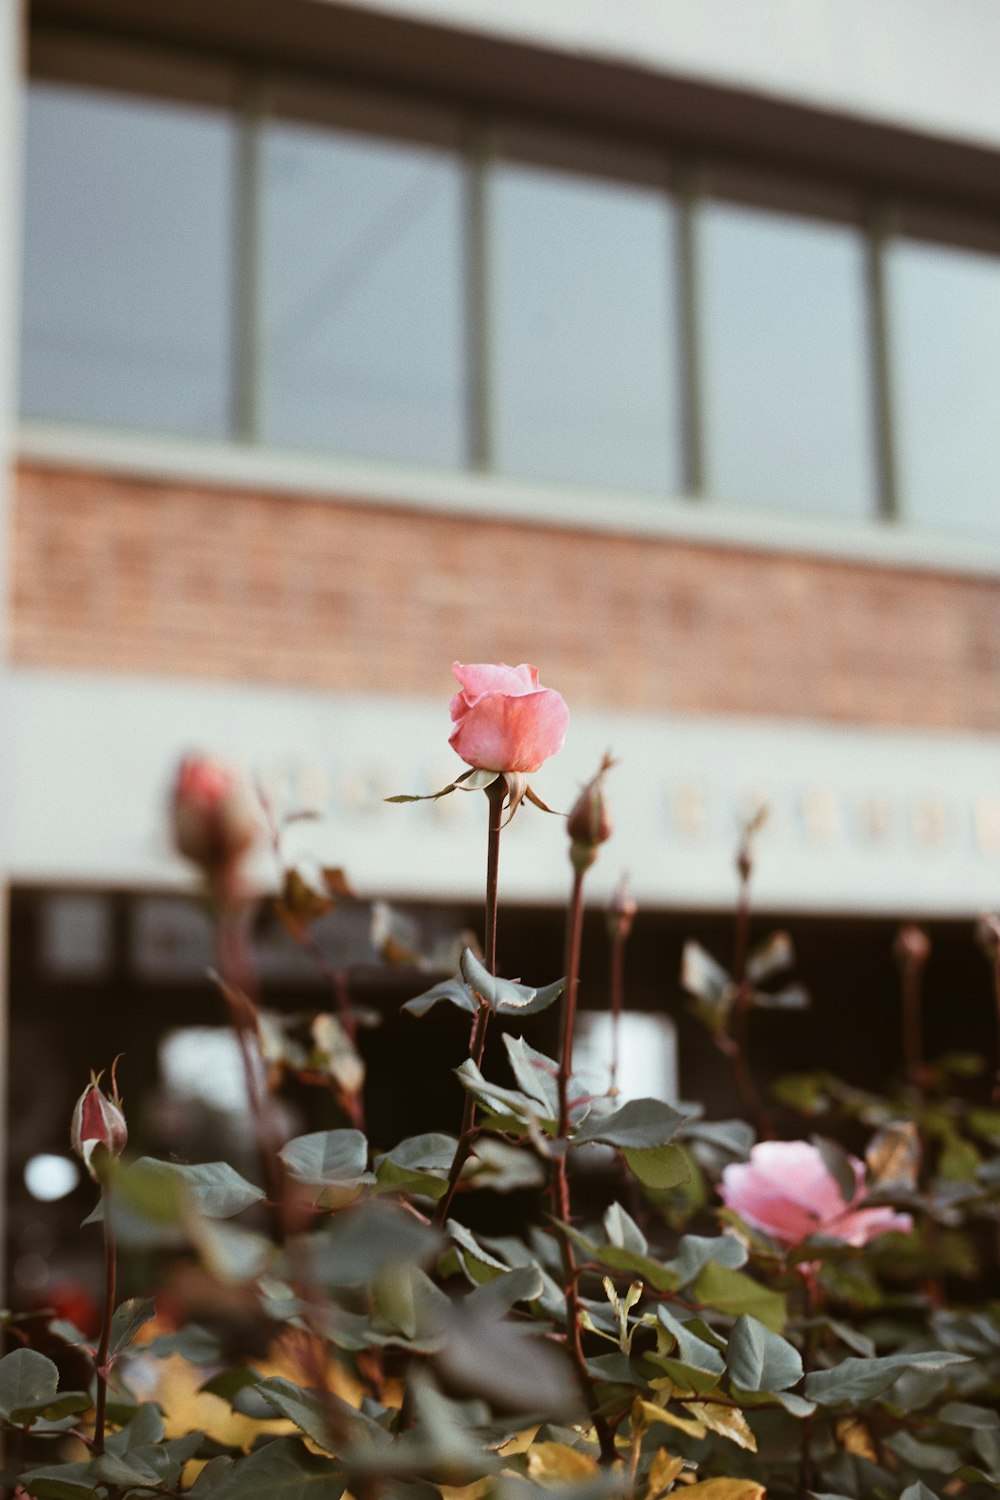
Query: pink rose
x=214, y=817
x=787, y=1190
x=503, y=720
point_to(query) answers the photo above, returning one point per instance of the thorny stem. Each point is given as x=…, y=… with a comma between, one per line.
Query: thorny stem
x=110, y=1296
x=496, y=792
x=734, y=1044
x=913, y=951
x=560, y=1180
x=809, y=1348
x=617, y=978
x=996, y=991
x=237, y=973
x=574, y=934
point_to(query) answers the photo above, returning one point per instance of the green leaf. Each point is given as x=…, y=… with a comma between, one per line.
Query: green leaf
x=503, y=996
x=535, y=1073
x=640, y=1123
x=328, y=1158
x=760, y=1360
x=918, y=1491
x=192, y=1342
x=734, y=1292
x=61, y=1482
x=27, y=1380
x=303, y=1407
x=705, y=978
x=451, y=990
x=502, y=1167
x=659, y=1167
x=282, y=1470
x=692, y=1349
x=359, y=1243
x=128, y=1319
x=389, y=1178
x=695, y=1251
x=65, y=1404
x=959, y=1414
x=622, y=1230
x=838, y=1164
x=857, y=1380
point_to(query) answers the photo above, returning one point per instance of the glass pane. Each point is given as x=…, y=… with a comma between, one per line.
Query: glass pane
x=128, y=261
x=944, y=317
x=787, y=370
x=363, y=346
x=585, y=382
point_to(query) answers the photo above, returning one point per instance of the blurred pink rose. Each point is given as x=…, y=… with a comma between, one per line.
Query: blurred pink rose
x=503, y=720
x=787, y=1190
x=215, y=819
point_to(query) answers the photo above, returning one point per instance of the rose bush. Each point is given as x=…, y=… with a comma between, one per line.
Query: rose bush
x=504, y=721
x=787, y=1190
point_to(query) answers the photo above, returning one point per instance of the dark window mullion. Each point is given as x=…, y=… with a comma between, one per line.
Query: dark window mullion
x=880, y=227
x=246, y=382
x=688, y=193
x=477, y=297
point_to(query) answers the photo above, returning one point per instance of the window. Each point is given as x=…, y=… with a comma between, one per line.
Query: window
x=128, y=259
x=222, y=252
x=581, y=327
x=944, y=322
x=363, y=341
x=786, y=359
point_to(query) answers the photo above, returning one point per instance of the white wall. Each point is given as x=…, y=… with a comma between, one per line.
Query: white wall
x=862, y=820
x=930, y=65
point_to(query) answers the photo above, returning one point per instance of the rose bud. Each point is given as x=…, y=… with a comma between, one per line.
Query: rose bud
x=621, y=910
x=588, y=824
x=215, y=819
x=912, y=946
x=98, y=1131
x=504, y=721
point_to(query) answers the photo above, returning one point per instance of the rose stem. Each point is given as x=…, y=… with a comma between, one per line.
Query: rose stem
x=996, y=992
x=617, y=982
x=110, y=1294
x=808, y=1351
x=734, y=1044
x=913, y=960
x=496, y=792
x=237, y=972
x=352, y=1104
x=560, y=1180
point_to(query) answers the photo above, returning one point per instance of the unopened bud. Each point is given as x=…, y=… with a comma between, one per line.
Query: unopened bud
x=588, y=824
x=912, y=946
x=98, y=1131
x=621, y=910
x=215, y=818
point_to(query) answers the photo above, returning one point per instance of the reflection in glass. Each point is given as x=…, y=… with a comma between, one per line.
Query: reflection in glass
x=363, y=347
x=944, y=321
x=585, y=385
x=128, y=261
x=786, y=362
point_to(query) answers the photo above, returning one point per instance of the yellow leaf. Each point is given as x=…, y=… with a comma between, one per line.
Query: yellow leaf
x=644, y=1414
x=519, y=1443
x=726, y=1489
x=551, y=1462
x=662, y=1473
x=473, y=1491
x=855, y=1437
x=727, y=1421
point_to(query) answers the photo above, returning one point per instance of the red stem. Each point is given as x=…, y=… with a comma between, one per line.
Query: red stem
x=110, y=1295
x=574, y=935
x=496, y=792
x=617, y=1001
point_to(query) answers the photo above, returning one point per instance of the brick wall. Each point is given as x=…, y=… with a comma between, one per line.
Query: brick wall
x=119, y=574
